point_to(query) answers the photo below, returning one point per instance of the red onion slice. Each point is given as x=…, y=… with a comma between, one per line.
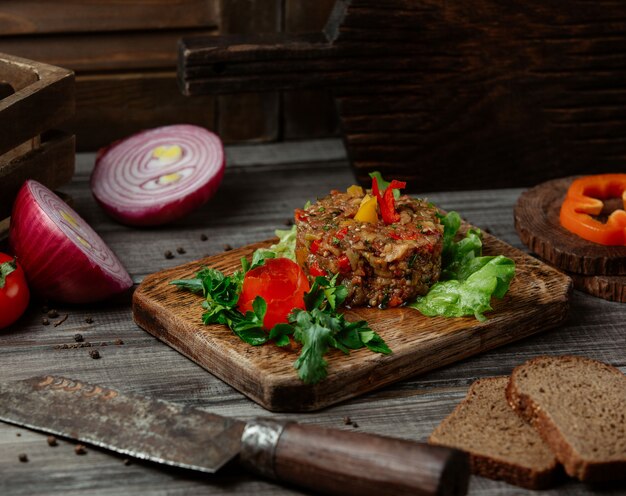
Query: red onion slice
x=62, y=256
x=157, y=176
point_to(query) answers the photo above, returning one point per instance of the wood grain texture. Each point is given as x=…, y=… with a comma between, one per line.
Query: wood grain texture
x=43, y=99
x=612, y=288
x=595, y=269
x=307, y=113
x=537, y=223
x=483, y=95
x=20, y=150
x=249, y=116
x=537, y=300
x=113, y=106
x=262, y=186
x=28, y=17
x=103, y=52
x=355, y=464
x=51, y=163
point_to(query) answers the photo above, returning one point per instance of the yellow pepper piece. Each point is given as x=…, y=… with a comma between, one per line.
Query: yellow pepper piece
x=355, y=190
x=367, y=210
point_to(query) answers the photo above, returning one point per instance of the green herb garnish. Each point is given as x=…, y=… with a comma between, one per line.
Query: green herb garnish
x=221, y=294
x=320, y=327
x=383, y=185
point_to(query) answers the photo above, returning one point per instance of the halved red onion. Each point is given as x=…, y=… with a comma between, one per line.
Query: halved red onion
x=62, y=256
x=160, y=175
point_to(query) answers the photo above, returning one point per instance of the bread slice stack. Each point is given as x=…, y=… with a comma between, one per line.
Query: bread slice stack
x=552, y=411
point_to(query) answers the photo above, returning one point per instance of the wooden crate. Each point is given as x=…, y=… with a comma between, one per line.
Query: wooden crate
x=36, y=99
x=124, y=57
x=125, y=64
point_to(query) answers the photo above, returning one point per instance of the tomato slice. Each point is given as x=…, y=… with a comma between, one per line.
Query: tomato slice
x=281, y=283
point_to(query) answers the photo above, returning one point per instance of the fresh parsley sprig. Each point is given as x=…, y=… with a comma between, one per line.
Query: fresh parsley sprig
x=321, y=326
x=221, y=294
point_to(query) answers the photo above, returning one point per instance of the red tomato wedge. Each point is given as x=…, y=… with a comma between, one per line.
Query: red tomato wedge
x=281, y=283
x=14, y=294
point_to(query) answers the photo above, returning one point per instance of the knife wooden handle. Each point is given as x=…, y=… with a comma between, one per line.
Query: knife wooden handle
x=340, y=462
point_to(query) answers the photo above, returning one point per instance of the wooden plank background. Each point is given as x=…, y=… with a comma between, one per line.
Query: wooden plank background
x=124, y=56
x=261, y=188
x=308, y=113
x=28, y=17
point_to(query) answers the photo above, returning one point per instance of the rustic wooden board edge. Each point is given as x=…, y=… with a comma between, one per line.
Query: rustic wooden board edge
x=610, y=288
x=375, y=370
x=51, y=163
x=29, y=19
x=39, y=106
x=536, y=218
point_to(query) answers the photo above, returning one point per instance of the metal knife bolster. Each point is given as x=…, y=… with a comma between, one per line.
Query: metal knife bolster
x=258, y=445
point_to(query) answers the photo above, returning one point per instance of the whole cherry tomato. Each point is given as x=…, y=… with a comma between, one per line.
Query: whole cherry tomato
x=281, y=283
x=14, y=294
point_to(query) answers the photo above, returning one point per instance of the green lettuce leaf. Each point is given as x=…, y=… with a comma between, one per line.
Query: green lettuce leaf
x=285, y=248
x=471, y=296
x=468, y=279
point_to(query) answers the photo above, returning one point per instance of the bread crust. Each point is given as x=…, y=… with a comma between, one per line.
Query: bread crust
x=513, y=474
x=498, y=469
x=574, y=463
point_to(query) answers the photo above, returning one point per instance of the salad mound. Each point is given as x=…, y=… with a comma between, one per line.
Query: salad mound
x=381, y=265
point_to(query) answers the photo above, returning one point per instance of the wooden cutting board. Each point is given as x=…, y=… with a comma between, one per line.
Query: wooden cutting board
x=595, y=269
x=536, y=301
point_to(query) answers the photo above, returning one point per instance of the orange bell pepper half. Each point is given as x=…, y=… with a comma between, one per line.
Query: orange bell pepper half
x=584, y=200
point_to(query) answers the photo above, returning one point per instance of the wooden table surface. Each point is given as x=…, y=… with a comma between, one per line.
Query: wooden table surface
x=262, y=186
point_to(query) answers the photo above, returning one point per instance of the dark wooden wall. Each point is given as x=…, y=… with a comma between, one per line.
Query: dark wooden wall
x=124, y=56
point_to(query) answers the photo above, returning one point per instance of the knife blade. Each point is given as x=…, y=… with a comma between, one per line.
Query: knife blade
x=327, y=460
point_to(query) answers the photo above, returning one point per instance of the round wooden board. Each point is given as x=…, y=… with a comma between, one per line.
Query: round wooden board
x=595, y=269
x=612, y=288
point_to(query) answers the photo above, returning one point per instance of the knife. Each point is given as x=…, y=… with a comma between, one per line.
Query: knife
x=323, y=460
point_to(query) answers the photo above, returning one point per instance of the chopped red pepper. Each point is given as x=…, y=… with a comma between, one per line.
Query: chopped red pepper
x=344, y=264
x=403, y=235
x=395, y=301
x=386, y=201
x=315, y=246
x=300, y=215
x=341, y=233
x=315, y=270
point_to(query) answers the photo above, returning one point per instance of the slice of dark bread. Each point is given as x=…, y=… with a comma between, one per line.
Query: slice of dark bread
x=500, y=444
x=578, y=406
